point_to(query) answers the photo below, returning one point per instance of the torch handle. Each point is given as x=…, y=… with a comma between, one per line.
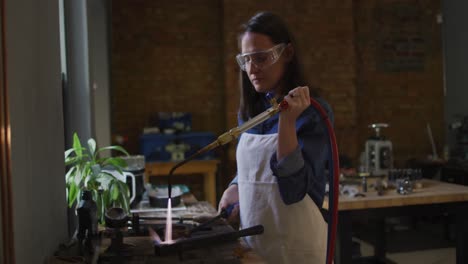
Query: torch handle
x=251, y=231
x=226, y=212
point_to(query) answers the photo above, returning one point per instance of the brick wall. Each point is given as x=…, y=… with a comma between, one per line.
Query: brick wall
x=180, y=56
x=166, y=57
x=400, y=78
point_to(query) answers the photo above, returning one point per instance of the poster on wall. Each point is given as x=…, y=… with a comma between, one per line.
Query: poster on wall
x=401, y=37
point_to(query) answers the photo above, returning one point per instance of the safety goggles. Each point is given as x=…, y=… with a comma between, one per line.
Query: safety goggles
x=261, y=59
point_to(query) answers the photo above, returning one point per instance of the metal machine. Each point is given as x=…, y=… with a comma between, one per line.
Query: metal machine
x=379, y=152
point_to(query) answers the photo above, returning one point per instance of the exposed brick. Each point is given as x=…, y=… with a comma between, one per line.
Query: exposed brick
x=180, y=56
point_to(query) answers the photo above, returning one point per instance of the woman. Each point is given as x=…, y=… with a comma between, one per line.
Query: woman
x=281, y=179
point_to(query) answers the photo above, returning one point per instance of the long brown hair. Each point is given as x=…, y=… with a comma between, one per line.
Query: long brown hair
x=273, y=26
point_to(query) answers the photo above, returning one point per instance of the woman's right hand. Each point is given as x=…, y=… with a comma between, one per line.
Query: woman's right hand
x=231, y=196
x=298, y=100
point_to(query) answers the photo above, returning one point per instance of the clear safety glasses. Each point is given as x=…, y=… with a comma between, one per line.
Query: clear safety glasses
x=261, y=59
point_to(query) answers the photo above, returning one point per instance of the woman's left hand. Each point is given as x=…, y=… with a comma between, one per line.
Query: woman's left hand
x=298, y=100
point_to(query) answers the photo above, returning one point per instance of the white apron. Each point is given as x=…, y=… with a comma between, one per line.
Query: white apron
x=295, y=233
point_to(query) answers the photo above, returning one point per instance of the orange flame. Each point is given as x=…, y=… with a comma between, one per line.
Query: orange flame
x=154, y=235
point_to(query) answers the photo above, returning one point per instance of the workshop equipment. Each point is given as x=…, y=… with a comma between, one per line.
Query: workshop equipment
x=136, y=166
x=158, y=196
x=459, y=144
x=225, y=212
x=404, y=179
x=175, y=147
x=176, y=121
x=378, y=152
x=116, y=222
x=204, y=240
x=187, y=235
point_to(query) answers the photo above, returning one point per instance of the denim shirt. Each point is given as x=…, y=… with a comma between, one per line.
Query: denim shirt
x=303, y=171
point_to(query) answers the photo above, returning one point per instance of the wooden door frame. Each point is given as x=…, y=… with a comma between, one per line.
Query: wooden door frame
x=6, y=203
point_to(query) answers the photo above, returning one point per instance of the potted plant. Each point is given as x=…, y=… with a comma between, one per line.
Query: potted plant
x=86, y=172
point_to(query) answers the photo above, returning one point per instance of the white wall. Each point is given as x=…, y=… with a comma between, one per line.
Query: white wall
x=98, y=39
x=35, y=101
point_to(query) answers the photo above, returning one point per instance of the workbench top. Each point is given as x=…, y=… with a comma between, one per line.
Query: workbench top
x=432, y=192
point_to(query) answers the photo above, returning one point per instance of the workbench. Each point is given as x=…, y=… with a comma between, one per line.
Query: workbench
x=206, y=168
x=143, y=251
x=232, y=252
x=434, y=198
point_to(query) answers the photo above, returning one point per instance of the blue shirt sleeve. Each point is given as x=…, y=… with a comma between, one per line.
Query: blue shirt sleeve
x=303, y=171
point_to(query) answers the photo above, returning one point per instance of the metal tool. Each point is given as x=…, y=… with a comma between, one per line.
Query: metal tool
x=163, y=249
x=225, y=213
x=404, y=186
x=379, y=155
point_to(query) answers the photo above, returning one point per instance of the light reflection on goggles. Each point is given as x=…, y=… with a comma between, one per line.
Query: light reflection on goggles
x=261, y=59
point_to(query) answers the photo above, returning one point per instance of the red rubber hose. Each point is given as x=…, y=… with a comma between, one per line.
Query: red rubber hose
x=336, y=174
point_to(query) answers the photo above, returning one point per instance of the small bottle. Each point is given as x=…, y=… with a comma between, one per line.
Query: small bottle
x=364, y=183
x=87, y=216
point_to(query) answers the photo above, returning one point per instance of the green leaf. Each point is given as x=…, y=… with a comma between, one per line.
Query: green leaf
x=118, y=148
x=96, y=169
x=103, y=194
x=106, y=175
x=68, y=152
x=126, y=190
x=78, y=177
x=87, y=183
x=69, y=175
x=77, y=145
x=102, y=209
x=71, y=160
x=124, y=200
x=114, y=191
x=76, y=159
x=88, y=174
x=72, y=193
x=78, y=194
x=104, y=178
x=95, y=194
x=92, y=146
x=108, y=200
x=124, y=204
x=98, y=199
x=117, y=163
